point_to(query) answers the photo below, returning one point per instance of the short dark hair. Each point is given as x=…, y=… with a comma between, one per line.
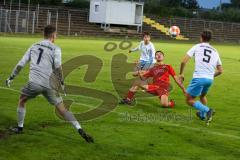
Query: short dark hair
x=146, y=34
x=206, y=35
x=48, y=31
x=160, y=52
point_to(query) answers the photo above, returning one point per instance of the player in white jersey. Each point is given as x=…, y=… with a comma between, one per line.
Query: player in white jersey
x=147, y=49
x=207, y=66
x=45, y=61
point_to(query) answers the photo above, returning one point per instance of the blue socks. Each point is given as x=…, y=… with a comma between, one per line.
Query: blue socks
x=199, y=106
x=203, y=114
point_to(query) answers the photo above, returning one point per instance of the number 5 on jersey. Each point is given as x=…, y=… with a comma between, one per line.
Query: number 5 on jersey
x=207, y=55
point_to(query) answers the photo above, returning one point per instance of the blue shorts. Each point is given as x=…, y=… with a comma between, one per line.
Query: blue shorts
x=145, y=65
x=199, y=86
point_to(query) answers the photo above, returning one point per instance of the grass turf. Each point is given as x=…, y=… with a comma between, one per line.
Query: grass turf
x=146, y=131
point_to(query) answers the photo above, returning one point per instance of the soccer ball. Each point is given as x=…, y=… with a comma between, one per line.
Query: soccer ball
x=174, y=31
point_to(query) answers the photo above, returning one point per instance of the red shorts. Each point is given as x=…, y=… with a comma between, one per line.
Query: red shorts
x=158, y=90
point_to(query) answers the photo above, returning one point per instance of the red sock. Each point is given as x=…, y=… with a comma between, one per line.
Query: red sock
x=171, y=104
x=130, y=95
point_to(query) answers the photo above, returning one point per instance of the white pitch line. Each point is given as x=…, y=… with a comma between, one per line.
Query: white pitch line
x=165, y=123
x=201, y=130
x=10, y=89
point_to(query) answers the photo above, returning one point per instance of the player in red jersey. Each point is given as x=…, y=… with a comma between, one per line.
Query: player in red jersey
x=160, y=73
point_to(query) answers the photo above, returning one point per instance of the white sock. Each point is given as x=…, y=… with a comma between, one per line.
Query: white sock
x=76, y=125
x=21, y=111
x=70, y=118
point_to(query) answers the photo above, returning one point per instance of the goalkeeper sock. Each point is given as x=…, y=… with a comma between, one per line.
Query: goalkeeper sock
x=130, y=95
x=199, y=106
x=21, y=112
x=70, y=118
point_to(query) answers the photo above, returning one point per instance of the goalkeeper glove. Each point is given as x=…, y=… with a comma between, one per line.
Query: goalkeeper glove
x=9, y=81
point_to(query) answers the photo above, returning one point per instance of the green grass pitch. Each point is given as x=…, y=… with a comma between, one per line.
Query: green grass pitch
x=144, y=132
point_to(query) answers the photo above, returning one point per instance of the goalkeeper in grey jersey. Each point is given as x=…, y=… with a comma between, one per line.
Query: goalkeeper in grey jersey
x=45, y=61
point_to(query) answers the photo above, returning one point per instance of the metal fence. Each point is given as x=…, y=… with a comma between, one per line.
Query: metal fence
x=188, y=23
x=33, y=21
x=15, y=21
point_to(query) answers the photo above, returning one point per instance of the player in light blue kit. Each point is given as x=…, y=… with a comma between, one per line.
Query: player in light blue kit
x=146, y=47
x=207, y=66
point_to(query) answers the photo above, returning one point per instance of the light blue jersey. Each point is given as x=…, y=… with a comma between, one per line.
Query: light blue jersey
x=147, y=52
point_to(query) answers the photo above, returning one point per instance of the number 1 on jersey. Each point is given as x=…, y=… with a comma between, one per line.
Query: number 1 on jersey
x=40, y=55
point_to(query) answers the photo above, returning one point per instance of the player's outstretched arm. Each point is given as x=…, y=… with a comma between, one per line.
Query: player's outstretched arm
x=136, y=49
x=58, y=68
x=179, y=83
x=139, y=73
x=59, y=74
x=144, y=75
x=185, y=60
x=25, y=59
x=219, y=71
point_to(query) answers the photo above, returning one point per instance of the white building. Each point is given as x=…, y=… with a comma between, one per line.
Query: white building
x=120, y=12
